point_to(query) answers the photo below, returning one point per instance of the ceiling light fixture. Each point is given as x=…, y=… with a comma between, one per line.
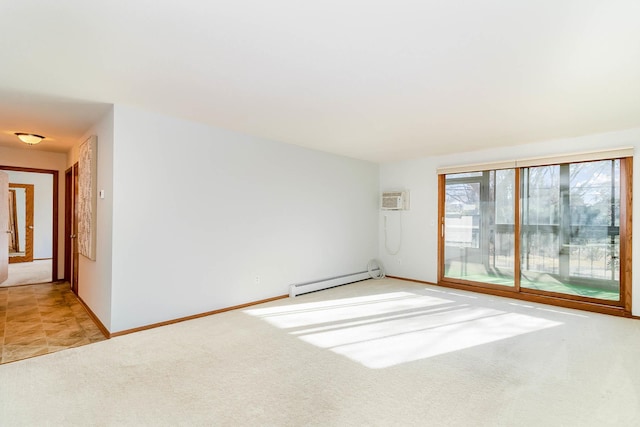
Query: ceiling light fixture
x=29, y=138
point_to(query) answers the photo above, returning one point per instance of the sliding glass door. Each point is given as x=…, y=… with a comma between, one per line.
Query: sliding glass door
x=571, y=229
x=479, y=227
x=557, y=230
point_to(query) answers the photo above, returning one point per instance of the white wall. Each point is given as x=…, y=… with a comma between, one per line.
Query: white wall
x=42, y=210
x=417, y=258
x=205, y=219
x=30, y=158
x=94, y=277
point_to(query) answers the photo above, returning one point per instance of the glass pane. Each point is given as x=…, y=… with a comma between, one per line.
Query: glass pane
x=462, y=213
x=595, y=206
x=539, y=227
x=504, y=195
x=479, y=227
x=570, y=229
x=542, y=195
x=504, y=239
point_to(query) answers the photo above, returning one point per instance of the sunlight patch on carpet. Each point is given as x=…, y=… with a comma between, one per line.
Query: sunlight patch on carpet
x=313, y=313
x=384, y=330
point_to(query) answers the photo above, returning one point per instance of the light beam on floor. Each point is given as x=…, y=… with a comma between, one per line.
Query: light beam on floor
x=388, y=329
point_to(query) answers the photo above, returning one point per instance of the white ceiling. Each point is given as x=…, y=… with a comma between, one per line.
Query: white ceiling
x=371, y=79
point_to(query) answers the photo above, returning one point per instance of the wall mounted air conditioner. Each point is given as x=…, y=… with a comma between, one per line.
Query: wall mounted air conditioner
x=395, y=201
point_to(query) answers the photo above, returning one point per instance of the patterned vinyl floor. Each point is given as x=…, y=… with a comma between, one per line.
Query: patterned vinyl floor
x=41, y=319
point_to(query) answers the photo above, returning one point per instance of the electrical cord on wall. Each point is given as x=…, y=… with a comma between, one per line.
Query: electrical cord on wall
x=386, y=245
x=374, y=265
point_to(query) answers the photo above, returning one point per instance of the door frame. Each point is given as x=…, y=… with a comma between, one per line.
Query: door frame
x=54, y=222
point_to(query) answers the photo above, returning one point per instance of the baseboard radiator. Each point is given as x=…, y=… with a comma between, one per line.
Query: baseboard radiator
x=305, y=288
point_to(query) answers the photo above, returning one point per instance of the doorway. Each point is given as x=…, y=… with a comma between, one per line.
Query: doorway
x=33, y=235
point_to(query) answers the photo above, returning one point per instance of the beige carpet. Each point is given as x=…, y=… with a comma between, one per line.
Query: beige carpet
x=27, y=273
x=386, y=353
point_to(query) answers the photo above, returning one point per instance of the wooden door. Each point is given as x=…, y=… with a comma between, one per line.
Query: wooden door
x=4, y=223
x=26, y=206
x=74, y=278
x=68, y=221
x=14, y=238
x=71, y=228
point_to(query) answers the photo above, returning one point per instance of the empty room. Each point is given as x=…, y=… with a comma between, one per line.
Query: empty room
x=319, y=213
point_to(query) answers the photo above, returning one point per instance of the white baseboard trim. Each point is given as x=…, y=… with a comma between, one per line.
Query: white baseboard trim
x=304, y=288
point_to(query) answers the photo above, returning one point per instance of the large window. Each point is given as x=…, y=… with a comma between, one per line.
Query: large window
x=557, y=230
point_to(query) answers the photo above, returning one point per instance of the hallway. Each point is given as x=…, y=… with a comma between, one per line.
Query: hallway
x=25, y=273
x=41, y=319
